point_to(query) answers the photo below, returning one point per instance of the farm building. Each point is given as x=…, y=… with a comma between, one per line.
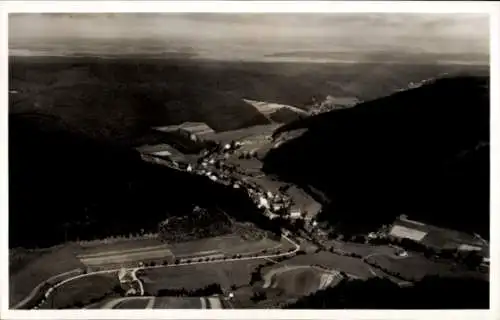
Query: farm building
x=295, y=213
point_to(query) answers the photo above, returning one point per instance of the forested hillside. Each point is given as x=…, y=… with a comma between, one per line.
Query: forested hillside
x=423, y=152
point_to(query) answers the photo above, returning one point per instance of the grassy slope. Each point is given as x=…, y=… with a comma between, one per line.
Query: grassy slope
x=225, y=273
x=82, y=290
x=59, y=260
x=416, y=267
x=349, y=265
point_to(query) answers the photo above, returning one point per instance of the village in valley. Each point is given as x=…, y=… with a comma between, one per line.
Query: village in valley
x=403, y=252
x=184, y=163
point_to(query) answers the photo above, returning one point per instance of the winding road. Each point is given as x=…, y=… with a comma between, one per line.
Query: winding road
x=51, y=290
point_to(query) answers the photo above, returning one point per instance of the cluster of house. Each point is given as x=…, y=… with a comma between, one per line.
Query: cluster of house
x=275, y=204
x=214, y=166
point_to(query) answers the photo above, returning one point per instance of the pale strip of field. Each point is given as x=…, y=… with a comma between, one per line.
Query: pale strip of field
x=124, y=251
x=156, y=254
x=96, y=246
x=214, y=303
x=418, y=223
x=151, y=303
x=327, y=279
x=195, y=254
x=218, y=243
x=268, y=108
x=404, y=232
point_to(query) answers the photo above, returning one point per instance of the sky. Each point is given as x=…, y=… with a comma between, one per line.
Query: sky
x=247, y=35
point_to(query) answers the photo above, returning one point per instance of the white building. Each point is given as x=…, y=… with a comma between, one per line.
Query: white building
x=295, y=213
x=131, y=292
x=263, y=202
x=372, y=235
x=273, y=216
x=277, y=207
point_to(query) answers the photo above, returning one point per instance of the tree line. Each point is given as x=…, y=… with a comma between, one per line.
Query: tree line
x=208, y=290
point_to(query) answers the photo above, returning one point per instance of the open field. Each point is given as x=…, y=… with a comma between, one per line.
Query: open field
x=122, y=245
x=298, y=281
x=242, y=134
x=267, y=183
x=133, y=304
x=363, y=249
x=304, y=200
x=21, y=257
x=164, y=303
x=225, y=244
x=131, y=252
x=417, y=266
x=127, y=257
x=349, y=265
x=197, y=276
x=50, y=264
x=82, y=291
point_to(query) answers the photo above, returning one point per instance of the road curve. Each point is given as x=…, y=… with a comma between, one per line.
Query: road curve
x=134, y=278
x=36, y=290
x=65, y=281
